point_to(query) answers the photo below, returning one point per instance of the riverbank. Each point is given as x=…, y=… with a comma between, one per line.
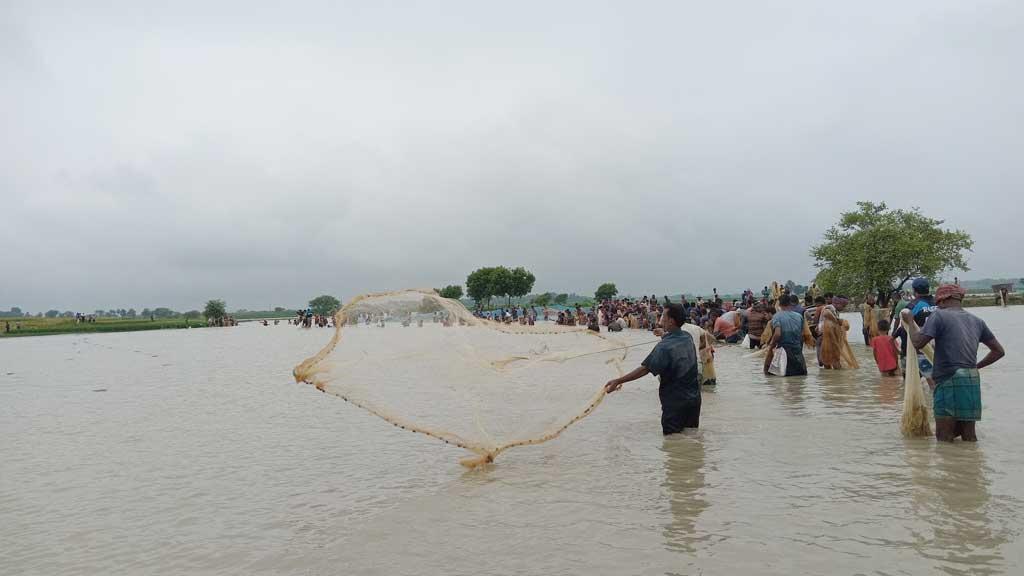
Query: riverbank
x=977, y=300
x=50, y=326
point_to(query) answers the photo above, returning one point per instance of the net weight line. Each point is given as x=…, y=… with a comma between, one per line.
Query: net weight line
x=613, y=349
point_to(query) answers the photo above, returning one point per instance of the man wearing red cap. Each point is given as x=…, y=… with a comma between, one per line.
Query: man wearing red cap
x=957, y=389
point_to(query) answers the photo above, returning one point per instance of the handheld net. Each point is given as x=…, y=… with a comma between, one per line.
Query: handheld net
x=423, y=363
x=915, y=422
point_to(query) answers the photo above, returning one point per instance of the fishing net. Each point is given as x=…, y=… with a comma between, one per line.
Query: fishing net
x=915, y=422
x=835, y=348
x=423, y=363
x=704, y=343
x=870, y=315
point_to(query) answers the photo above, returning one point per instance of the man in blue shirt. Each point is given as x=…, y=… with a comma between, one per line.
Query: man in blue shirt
x=920, y=308
x=674, y=361
x=788, y=334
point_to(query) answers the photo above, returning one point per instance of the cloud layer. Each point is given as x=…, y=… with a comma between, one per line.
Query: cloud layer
x=165, y=155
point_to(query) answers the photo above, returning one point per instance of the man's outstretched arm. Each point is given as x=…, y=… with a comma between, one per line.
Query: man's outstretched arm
x=617, y=383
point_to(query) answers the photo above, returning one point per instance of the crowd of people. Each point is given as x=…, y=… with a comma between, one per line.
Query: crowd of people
x=783, y=326
x=519, y=315
x=307, y=319
x=225, y=320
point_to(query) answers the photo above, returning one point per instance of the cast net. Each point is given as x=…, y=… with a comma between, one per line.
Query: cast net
x=915, y=420
x=423, y=363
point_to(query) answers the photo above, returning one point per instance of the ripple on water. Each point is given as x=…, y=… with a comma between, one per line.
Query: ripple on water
x=204, y=457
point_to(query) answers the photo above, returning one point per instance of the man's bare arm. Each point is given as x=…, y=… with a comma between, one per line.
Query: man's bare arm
x=995, y=352
x=617, y=383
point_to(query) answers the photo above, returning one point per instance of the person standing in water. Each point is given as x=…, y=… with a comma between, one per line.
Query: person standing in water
x=788, y=334
x=884, y=348
x=957, y=388
x=869, y=319
x=920, y=308
x=674, y=361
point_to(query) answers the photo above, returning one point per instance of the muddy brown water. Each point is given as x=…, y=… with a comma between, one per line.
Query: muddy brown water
x=193, y=452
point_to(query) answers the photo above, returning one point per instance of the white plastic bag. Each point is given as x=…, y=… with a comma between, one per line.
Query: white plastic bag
x=778, y=365
x=746, y=341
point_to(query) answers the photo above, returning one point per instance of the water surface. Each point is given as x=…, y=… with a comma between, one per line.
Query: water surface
x=202, y=456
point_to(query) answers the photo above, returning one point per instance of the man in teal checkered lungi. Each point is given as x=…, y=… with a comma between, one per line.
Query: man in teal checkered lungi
x=957, y=390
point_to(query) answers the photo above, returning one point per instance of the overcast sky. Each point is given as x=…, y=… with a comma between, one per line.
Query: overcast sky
x=165, y=153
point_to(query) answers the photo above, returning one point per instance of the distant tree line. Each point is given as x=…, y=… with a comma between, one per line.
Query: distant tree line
x=451, y=291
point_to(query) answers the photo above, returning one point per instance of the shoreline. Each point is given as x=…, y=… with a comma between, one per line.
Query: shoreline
x=58, y=326
x=55, y=327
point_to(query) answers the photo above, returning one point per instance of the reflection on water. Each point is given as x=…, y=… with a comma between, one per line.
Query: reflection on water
x=791, y=392
x=890, y=390
x=684, y=483
x=964, y=529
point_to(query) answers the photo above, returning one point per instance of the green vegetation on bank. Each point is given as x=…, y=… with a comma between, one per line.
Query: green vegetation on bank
x=984, y=286
x=48, y=326
x=977, y=300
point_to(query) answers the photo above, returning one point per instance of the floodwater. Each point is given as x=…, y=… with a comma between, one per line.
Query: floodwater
x=194, y=452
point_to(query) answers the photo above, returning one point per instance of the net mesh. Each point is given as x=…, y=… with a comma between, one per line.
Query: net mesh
x=423, y=363
x=915, y=421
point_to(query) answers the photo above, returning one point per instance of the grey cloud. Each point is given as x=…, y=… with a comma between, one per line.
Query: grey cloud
x=167, y=154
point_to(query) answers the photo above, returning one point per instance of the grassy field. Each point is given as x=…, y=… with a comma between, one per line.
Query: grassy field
x=975, y=300
x=45, y=326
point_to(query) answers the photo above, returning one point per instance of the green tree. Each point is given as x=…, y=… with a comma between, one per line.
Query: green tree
x=520, y=282
x=130, y=313
x=52, y=313
x=278, y=309
x=192, y=314
x=164, y=313
x=485, y=283
x=452, y=291
x=215, y=309
x=479, y=285
x=325, y=305
x=875, y=248
x=543, y=299
x=561, y=299
x=605, y=291
x=502, y=282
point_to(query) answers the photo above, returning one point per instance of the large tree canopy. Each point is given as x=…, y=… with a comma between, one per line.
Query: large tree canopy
x=325, y=305
x=605, y=291
x=485, y=283
x=878, y=249
x=215, y=309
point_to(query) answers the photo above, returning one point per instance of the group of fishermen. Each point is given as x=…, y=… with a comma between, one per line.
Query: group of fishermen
x=940, y=319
